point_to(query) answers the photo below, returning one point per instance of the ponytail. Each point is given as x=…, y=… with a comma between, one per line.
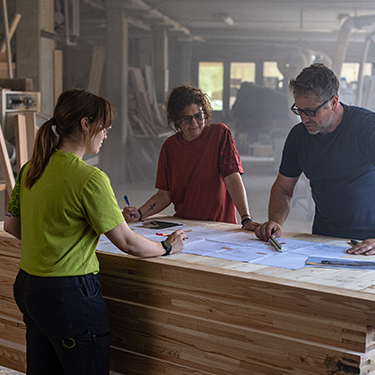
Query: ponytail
x=45, y=144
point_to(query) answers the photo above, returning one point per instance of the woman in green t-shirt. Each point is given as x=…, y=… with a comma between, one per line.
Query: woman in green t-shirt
x=59, y=207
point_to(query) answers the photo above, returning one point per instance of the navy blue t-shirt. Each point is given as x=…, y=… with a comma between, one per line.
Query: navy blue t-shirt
x=340, y=167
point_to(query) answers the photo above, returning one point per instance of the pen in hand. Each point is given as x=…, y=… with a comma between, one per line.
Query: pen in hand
x=127, y=202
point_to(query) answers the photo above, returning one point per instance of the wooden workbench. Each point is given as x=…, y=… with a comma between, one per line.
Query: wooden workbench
x=190, y=315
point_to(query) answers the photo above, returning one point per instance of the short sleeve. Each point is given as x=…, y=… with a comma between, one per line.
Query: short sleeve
x=289, y=166
x=14, y=204
x=161, y=175
x=100, y=206
x=229, y=159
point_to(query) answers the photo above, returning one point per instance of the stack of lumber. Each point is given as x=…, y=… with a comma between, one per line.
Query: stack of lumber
x=195, y=315
x=146, y=115
x=148, y=126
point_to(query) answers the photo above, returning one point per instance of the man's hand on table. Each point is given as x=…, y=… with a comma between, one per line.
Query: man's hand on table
x=268, y=229
x=366, y=247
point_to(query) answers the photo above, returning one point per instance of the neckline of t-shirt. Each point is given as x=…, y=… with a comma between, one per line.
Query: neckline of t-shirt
x=204, y=131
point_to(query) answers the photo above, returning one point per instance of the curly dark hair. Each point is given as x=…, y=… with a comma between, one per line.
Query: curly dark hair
x=182, y=96
x=318, y=80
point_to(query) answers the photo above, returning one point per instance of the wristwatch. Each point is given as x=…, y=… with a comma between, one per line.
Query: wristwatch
x=167, y=246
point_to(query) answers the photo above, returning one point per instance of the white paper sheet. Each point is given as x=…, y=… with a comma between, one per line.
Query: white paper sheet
x=238, y=246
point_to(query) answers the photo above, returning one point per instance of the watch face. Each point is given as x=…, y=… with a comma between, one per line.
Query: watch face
x=167, y=246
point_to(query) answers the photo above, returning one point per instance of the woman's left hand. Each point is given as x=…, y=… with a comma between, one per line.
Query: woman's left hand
x=251, y=225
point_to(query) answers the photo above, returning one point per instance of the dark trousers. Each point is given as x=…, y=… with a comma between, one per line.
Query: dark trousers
x=67, y=326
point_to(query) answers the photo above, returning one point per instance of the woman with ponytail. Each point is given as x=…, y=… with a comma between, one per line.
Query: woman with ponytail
x=59, y=207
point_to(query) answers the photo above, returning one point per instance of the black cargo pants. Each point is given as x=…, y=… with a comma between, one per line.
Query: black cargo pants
x=67, y=326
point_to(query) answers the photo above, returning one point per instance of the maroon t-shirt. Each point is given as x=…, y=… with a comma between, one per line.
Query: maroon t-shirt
x=193, y=172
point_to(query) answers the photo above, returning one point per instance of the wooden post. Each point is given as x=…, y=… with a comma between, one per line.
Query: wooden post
x=57, y=74
x=5, y=164
x=21, y=140
x=7, y=40
x=13, y=27
x=31, y=131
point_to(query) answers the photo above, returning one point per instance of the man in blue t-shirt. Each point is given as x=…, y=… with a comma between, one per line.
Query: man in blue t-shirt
x=333, y=146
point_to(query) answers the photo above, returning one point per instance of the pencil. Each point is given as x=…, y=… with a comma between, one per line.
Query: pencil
x=272, y=240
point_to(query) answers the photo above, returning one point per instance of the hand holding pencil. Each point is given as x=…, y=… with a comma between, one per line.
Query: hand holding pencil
x=268, y=229
x=131, y=214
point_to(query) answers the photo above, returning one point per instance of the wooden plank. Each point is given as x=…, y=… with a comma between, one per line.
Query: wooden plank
x=125, y=362
x=31, y=130
x=9, y=246
x=8, y=305
x=13, y=355
x=186, y=314
x=329, y=302
x=21, y=140
x=5, y=164
x=151, y=90
x=223, y=349
x=17, y=84
x=4, y=70
x=202, y=311
x=13, y=330
x=57, y=74
x=13, y=26
x=144, y=108
x=244, y=313
x=10, y=265
x=96, y=71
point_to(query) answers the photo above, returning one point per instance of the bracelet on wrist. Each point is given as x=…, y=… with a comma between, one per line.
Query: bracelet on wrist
x=140, y=214
x=247, y=215
x=248, y=220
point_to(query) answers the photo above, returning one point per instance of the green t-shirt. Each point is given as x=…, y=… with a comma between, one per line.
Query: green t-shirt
x=62, y=217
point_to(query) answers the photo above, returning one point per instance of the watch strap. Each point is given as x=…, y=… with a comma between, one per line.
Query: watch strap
x=167, y=247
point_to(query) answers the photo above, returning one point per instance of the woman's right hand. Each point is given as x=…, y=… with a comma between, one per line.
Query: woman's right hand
x=177, y=240
x=131, y=214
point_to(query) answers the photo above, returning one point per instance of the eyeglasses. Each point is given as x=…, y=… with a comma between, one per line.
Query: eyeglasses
x=106, y=130
x=198, y=117
x=308, y=112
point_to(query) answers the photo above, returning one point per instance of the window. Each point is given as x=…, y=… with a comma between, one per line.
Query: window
x=211, y=78
x=349, y=74
x=349, y=81
x=272, y=77
x=239, y=73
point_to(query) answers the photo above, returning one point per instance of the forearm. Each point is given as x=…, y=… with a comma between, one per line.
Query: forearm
x=236, y=190
x=156, y=203
x=134, y=244
x=279, y=205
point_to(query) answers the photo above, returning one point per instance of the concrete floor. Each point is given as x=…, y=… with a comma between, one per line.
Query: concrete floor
x=258, y=179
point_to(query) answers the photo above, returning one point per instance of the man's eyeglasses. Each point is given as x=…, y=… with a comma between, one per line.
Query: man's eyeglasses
x=308, y=112
x=198, y=117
